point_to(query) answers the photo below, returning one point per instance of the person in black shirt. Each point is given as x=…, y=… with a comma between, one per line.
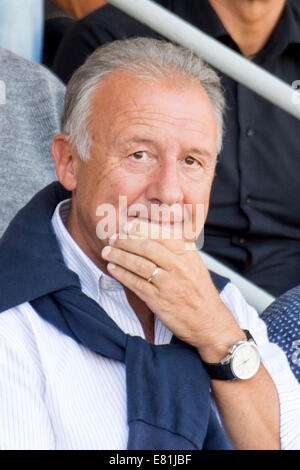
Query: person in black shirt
x=254, y=224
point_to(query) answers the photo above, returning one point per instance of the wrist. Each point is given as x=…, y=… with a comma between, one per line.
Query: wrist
x=218, y=347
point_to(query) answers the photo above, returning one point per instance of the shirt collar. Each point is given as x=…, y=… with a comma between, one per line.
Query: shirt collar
x=94, y=282
x=291, y=22
x=287, y=32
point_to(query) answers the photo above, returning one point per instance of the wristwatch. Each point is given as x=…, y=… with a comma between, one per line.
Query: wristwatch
x=242, y=362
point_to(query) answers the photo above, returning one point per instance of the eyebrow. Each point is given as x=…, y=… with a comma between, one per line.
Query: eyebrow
x=142, y=140
x=201, y=152
x=139, y=140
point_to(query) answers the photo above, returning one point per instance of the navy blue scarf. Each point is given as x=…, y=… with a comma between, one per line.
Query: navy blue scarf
x=168, y=390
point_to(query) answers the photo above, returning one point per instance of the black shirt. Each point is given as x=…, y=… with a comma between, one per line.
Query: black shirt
x=254, y=219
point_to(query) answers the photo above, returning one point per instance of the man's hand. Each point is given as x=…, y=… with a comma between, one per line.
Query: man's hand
x=181, y=294
x=185, y=299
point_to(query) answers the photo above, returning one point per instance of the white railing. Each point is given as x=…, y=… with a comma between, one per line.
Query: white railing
x=255, y=296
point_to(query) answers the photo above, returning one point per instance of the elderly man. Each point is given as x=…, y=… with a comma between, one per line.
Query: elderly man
x=252, y=225
x=112, y=339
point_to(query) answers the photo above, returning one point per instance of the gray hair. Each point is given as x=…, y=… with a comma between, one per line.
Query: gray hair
x=143, y=58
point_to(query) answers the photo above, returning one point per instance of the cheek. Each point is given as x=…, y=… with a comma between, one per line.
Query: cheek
x=197, y=199
x=131, y=186
x=198, y=193
x=115, y=197
x=91, y=192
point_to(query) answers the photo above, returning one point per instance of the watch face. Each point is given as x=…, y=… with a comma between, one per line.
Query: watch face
x=245, y=361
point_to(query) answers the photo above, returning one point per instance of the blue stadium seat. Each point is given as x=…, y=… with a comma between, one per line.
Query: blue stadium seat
x=283, y=322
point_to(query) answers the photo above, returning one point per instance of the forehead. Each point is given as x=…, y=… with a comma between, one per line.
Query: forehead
x=124, y=101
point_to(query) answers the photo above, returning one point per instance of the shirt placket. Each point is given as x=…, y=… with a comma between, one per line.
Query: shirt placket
x=247, y=134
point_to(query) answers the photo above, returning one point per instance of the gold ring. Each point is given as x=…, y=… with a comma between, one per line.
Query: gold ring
x=150, y=279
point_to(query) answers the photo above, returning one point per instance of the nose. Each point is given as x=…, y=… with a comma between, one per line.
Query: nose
x=166, y=185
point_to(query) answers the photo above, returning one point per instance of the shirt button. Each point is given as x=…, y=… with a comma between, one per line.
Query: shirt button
x=105, y=284
x=242, y=240
x=250, y=132
x=248, y=200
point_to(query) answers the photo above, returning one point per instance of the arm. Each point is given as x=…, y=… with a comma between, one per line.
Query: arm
x=183, y=296
x=242, y=404
x=24, y=418
x=102, y=26
x=249, y=411
x=245, y=405
x=275, y=363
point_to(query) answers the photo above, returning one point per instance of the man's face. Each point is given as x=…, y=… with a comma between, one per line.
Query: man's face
x=153, y=142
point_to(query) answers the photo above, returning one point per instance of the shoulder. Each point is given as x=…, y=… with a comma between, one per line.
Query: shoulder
x=28, y=343
x=25, y=334
x=12, y=64
x=22, y=77
x=16, y=323
x=17, y=339
x=109, y=20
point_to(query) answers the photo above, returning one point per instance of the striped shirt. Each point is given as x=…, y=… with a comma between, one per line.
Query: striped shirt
x=57, y=394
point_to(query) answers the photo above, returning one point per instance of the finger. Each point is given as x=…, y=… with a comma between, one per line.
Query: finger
x=153, y=230
x=143, y=289
x=131, y=262
x=148, y=249
x=168, y=234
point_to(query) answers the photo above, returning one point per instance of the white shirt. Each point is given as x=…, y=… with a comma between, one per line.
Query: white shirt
x=57, y=394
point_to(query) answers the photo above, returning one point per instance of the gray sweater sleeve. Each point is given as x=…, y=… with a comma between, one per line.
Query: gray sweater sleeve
x=29, y=119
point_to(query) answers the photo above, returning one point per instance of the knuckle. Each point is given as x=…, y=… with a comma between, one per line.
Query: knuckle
x=139, y=284
x=119, y=255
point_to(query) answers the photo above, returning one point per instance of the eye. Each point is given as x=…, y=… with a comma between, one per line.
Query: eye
x=139, y=155
x=192, y=162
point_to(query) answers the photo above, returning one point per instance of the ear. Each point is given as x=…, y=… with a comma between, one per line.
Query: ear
x=66, y=161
